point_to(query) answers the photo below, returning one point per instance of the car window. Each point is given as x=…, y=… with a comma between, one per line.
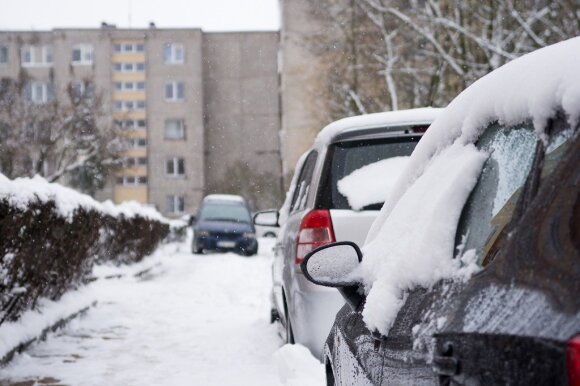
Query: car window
x=224, y=212
x=491, y=204
x=344, y=158
x=303, y=184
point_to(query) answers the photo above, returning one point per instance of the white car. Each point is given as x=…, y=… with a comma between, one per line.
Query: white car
x=335, y=195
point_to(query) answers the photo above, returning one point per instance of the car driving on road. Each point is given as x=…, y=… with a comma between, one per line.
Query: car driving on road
x=223, y=223
x=476, y=283
x=328, y=202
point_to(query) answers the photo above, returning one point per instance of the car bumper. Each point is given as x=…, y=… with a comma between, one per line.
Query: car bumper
x=241, y=244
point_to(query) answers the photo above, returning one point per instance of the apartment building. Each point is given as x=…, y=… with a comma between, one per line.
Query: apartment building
x=193, y=106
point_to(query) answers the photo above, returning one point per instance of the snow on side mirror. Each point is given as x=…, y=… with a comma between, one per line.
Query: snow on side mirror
x=333, y=265
x=266, y=218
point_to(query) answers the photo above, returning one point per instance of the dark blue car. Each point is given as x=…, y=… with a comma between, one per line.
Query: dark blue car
x=224, y=224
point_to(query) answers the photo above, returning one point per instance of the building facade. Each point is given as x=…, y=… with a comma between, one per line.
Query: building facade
x=200, y=111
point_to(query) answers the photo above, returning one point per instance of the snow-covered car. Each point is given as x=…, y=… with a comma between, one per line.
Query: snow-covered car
x=224, y=224
x=329, y=200
x=471, y=272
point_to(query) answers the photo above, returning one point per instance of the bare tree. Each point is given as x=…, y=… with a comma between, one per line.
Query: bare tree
x=62, y=136
x=424, y=52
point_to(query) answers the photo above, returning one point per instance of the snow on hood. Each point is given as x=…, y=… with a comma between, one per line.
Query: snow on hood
x=411, y=242
x=418, y=116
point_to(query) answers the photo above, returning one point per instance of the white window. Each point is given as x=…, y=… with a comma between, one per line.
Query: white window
x=32, y=56
x=129, y=47
x=129, y=67
x=174, y=91
x=175, y=167
x=38, y=92
x=174, y=129
x=3, y=55
x=175, y=204
x=82, y=54
x=173, y=53
x=132, y=180
x=129, y=86
x=129, y=105
x=136, y=143
x=82, y=89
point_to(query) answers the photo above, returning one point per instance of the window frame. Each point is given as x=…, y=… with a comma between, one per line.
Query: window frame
x=4, y=53
x=175, y=86
x=175, y=166
x=177, y=205
x=86, y=53
x=170, y=53
x=181, y=128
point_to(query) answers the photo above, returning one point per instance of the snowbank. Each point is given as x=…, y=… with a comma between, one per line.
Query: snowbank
x=297, y=366
x=20, y=192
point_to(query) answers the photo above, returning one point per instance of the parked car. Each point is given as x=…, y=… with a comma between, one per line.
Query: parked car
x=477, y=283
x=223, y=223
x=267, y=230
x=326, y=204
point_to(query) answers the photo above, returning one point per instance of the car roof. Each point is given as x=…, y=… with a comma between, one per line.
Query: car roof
x=231, y=198
x=358, y=125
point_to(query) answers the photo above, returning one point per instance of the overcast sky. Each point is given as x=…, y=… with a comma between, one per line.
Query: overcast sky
x=210, y=15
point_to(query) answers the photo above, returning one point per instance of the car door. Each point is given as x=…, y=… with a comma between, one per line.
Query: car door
x=286, y=242
x=512, y=322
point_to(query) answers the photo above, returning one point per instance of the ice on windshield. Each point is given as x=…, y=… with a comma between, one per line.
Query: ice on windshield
x=372, y=183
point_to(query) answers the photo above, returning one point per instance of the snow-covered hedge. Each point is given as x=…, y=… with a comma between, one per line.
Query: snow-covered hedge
x=50, y=237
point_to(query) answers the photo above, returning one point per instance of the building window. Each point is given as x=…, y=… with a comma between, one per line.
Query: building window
x=175, y=167
x=129, y=47
x=131, y=162
x=129, y=86
x=174, y=129
x=175, y=204
x=174, y=91
x=3, y=55
x=136, y=142
x=129, y=105
x=82, y=54
x=32, y=56
x=82, y=89
x=38, y=92
x=131, y=180
x=129, y=67
x=173, y=53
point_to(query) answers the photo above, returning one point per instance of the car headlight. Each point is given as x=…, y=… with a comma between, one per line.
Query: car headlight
x=201, y=233
x=249, y=235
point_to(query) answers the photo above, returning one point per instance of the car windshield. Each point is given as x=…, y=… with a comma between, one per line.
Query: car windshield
x=351, y=161
x=225, y=212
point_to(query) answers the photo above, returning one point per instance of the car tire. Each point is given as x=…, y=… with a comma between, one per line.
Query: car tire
x=196, y=250
x=269, y=234
x=250, y=252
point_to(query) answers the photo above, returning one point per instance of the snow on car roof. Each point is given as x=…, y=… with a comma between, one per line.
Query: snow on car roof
x=411, y=242
x=224, y=197
x=390, y=118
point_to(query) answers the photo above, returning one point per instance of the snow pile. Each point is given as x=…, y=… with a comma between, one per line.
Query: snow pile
x=372, y=183
x=297, y=366
x=20, y=192
x=417, y=240
x=411, y=241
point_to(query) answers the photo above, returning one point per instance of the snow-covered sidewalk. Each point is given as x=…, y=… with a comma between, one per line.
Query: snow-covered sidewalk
x=190, y=320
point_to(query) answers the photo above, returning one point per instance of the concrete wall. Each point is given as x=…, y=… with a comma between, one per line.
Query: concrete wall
x=242, y=116
x=190, y=110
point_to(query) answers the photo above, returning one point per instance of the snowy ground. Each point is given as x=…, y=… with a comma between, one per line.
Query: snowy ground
x=191, y=320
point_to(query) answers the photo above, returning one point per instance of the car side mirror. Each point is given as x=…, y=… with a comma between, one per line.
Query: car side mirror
x=267, y=218
x=335, y=265
x=192, y=220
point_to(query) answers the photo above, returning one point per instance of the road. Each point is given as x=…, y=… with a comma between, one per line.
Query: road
x=191, y=320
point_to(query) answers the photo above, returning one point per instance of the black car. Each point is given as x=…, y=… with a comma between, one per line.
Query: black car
x=224, y=224
x=516, y=320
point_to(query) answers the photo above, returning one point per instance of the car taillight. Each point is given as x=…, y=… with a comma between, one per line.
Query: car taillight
x=315, y=231
x=573, y=359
